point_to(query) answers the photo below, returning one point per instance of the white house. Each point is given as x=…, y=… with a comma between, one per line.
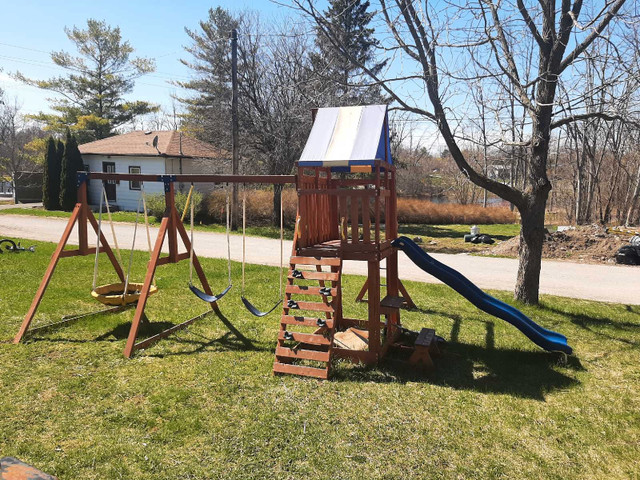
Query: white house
x=140, y=152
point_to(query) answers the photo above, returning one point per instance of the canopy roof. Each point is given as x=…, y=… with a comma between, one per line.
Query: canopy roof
x=348, y=138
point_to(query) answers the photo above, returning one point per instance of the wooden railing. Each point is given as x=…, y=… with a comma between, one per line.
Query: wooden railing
x=318, y=219
x=357, y=217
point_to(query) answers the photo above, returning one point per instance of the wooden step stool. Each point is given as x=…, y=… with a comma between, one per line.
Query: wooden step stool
x=425, y=347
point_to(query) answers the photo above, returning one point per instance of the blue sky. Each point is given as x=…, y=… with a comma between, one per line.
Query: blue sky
x=31, y=29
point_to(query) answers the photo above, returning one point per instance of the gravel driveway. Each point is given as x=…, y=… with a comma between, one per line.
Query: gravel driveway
x=609, y=283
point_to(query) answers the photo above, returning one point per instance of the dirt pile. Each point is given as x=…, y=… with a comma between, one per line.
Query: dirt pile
x=589, y=243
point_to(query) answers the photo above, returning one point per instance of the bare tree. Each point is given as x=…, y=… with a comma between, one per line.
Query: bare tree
x=17, y=153
x=447, y=43
x=274, y=70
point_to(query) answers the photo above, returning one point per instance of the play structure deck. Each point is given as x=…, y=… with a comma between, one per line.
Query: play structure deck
x=347, y=210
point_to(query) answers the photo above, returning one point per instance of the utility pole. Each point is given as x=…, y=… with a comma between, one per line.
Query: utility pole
x=234, y=126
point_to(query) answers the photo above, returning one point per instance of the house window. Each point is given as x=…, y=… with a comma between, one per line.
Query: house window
x=134, y=185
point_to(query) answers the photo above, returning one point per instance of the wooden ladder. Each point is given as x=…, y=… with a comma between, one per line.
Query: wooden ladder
x=305, y=343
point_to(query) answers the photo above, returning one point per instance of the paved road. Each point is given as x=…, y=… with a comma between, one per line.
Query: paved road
x=7, y=206
x=609, y=283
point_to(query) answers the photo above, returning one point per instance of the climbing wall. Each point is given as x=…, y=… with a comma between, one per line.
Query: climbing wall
x=311, y=311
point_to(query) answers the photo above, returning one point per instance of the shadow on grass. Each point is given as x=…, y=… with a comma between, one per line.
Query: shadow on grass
x=589, y=323
x=481, y=368
x=231, y=340
x=462, y=366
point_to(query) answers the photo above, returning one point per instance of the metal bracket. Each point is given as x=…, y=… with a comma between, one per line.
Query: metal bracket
x=167, y=180
x=82, y=177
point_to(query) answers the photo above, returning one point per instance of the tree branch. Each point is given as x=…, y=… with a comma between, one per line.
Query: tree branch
x=592, y=36
x=600, y=115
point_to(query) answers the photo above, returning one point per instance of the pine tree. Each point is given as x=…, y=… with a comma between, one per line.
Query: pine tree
x=71, y=164
x=51, y=177
x=92, y=95
x=339, y=78
x=208, y=108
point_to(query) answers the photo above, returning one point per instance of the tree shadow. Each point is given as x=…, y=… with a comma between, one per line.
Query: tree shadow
x=589, y=323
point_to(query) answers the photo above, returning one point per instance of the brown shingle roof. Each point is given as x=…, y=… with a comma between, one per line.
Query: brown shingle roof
x=139, y=143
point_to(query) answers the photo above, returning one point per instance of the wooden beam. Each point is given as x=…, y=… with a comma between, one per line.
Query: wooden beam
x=195, y=178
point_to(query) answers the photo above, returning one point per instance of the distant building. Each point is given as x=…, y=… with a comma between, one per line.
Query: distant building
x=173, y=153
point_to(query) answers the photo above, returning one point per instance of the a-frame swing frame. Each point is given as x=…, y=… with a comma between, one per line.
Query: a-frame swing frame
x=80, y=217
x=170, y=228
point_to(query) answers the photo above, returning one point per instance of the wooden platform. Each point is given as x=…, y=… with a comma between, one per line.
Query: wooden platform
x=347, y=251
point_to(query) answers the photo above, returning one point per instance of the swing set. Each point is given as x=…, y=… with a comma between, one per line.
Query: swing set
x=125, y=293
x=214, y=298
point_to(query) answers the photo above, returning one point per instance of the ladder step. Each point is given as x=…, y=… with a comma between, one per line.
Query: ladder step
x=312, y=306
x=309, y=275
x=302, y=354
x=310, y=338
x=334, y=262
x=305, y=321
x=301, y=370
x=308, y=290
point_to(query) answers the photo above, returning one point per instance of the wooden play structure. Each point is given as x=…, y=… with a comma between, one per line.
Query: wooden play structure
x=347, y=209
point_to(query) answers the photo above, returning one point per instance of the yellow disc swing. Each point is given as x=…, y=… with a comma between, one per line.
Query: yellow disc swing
x=121, y=293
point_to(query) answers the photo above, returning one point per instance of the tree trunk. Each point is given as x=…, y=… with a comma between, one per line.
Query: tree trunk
x=632, y=204
x=530, y=252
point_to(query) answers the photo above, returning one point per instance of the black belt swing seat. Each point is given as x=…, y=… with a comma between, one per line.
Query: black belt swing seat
x=195, y=290
x=248, y=305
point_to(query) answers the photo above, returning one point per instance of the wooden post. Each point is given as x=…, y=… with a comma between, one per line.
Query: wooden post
x=83, y=214
x=173, y=219
x=374, y=308
x=47, y=275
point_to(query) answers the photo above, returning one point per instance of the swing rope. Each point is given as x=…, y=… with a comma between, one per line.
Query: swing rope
x=186, y=205
x=146, y=226
x=191, y=236
x=113, y=229
x=133, y=245
x=249, y=306
x=98, y=242
x=197, y=292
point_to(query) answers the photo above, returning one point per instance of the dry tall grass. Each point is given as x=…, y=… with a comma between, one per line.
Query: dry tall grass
x=415, y=210
x=259, y=206
x=410, y=210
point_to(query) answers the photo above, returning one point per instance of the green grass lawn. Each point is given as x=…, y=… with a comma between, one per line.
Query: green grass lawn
x=203, y=403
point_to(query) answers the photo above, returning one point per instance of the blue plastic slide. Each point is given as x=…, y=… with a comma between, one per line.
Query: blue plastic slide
x=547, y=339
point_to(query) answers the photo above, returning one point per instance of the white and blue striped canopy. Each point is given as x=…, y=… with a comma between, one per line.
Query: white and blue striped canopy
x=345, y=137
